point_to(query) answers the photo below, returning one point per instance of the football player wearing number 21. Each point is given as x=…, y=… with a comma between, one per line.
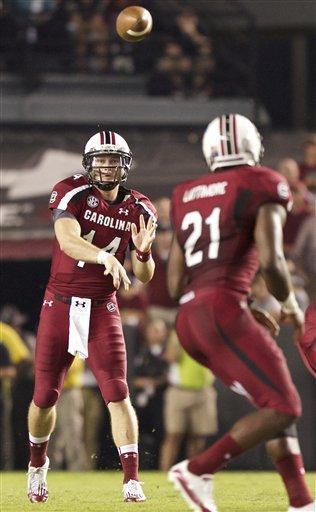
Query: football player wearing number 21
x=226, y=223
x=96, y=219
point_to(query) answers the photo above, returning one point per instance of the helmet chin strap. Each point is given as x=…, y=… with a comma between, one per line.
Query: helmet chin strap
x=106, y=186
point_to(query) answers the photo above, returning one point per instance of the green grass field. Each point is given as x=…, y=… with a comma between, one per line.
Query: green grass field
x=101, y=492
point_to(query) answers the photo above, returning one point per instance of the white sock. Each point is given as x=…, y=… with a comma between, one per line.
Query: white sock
x=128, y=448
x=38, y=440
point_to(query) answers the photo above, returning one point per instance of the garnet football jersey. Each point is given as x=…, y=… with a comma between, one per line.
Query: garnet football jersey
x=106, y=225
x=214, y=218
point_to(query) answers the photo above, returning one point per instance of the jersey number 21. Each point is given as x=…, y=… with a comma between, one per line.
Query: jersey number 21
x=195, y=219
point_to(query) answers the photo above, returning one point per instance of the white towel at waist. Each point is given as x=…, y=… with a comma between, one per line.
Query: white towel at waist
x=79, y=321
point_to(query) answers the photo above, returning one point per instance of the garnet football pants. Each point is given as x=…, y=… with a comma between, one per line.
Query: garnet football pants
x=106, y=346
x=216, y=328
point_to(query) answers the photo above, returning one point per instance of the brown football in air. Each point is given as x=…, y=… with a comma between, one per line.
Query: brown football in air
x=134, y=23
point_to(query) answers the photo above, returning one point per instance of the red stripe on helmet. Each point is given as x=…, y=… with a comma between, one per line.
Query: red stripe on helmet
x=235, y=133
x=102, y=138
x=112, y=134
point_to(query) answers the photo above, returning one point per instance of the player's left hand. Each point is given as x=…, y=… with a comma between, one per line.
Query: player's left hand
x=144, y=238
x=264, y=318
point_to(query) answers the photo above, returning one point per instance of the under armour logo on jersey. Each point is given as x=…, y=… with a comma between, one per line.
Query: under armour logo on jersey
x=123, y=210
x=48, y=302
x=80, y=304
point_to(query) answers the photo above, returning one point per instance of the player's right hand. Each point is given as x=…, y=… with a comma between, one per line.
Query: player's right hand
x=296, y=319
x=117, y=271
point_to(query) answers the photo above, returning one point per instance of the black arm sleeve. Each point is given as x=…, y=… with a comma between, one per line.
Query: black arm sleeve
x=61, y=214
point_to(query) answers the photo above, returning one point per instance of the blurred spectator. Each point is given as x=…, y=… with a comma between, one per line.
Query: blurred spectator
x=32, y=7
x=160, y=304
x=132, y=302
x=15, y=407
x=204, y=70
x=308, y=165
x=90, y=37
x=22, y=386
x=18, y=352
x=289, y=168
x=163, y=211
x=150, y=377
x=122, y=60
x=13, y=316
x=7, y=373
x=67, y=449
x=53, y=43
x=44, y=39
x=97, y=43
x=302, y=201
x=87, y=7
x=304, y=252
x=79, y=35
x=189, y=405
x=173, y=72
x=188, y=32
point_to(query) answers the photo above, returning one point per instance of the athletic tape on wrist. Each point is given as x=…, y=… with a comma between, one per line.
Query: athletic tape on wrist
x=102, y=256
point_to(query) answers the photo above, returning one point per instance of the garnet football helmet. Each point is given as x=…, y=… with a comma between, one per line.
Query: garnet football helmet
x=231, y=140
x=107, y=143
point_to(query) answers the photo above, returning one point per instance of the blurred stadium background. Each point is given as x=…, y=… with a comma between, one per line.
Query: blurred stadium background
x=64, y=73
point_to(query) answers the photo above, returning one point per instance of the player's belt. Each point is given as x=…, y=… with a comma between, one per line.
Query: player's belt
x=67, y=300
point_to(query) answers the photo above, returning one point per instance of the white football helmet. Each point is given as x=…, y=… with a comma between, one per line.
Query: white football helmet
x=107, y=143
x=231, y=140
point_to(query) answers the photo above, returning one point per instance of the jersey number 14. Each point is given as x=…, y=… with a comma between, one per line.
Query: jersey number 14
x=112, y=247
x=195, y=219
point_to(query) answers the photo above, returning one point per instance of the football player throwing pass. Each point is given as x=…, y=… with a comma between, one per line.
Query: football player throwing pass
x=96, y=220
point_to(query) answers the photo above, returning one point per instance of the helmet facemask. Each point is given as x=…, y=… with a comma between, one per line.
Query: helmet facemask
x=93, y=171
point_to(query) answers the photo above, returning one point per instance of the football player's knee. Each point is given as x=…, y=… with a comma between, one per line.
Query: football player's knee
x=292, y=411
x=44, y=398
x=288, y=405
x=115, y=390
x=290, y=431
